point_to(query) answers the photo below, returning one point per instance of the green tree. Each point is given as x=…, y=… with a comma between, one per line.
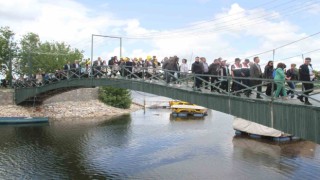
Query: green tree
x=317, y=74
x=36, y=56
x=8, y=49
x=28, y=62
x=116, y=97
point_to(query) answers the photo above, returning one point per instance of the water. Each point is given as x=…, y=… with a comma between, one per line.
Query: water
x=150, y=145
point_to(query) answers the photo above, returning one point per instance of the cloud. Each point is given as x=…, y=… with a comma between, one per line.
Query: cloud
x=233, y=32
x=314, y=9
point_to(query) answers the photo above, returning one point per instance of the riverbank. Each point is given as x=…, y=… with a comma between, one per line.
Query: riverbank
x=75, y=105
x=68, y=110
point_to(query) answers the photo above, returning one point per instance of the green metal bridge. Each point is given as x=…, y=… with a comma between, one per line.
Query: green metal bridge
x=290, y=116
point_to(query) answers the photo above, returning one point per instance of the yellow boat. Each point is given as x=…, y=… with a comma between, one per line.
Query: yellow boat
x=183, y=109
x=171, y=103
x=188, y=109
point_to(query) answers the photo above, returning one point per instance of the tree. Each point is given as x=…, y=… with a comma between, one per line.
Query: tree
x=38, y=57
x=317, y=74
x=28, y=62
x=8, y=50
x=116, y=97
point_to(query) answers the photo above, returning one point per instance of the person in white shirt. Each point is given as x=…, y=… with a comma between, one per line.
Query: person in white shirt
x=184, y=69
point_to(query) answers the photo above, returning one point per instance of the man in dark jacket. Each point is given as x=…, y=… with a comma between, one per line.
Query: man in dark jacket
x=76, y=69
x=128, y=68
x=97, y=67
x=256, y=73
x=67, y=67
x=214, y=69
x=306, y=74
x=170, y=67
x=197, y=69
x=293, y=75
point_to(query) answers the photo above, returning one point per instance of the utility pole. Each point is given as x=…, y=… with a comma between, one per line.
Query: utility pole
x=10, y=63
x=98, y=35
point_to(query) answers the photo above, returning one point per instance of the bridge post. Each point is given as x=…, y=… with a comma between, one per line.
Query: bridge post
x=271, y=105
x=229, y=78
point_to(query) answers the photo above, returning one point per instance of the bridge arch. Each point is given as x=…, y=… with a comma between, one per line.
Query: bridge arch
x=300, y=120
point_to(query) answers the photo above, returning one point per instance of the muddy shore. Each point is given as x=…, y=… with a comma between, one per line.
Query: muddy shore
x=90, y=110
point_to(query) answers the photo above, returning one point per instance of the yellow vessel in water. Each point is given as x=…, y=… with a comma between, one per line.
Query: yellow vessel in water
x=171, y=103
x=183, y=109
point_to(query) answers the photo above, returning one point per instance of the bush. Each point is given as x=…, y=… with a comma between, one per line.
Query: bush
x=116, y=97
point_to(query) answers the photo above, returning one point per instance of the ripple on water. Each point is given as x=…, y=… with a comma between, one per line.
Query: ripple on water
x=151, y=146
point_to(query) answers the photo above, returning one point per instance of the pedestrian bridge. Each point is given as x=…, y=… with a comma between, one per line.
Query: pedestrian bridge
x=290, y=116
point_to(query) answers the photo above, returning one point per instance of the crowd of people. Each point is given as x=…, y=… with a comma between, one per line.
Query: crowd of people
x=249, y=74
x=245, y=75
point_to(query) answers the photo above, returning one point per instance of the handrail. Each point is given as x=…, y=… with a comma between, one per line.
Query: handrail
x=173, y=79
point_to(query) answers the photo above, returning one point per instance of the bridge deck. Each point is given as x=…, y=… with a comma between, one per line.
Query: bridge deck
x=290, y=115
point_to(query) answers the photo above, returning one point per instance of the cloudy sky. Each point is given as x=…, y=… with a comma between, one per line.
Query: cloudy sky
x=186, y=28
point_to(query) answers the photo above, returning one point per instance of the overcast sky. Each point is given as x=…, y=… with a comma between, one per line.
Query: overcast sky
x=186, y=28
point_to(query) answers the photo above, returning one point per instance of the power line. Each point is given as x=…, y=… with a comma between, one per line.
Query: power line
x=300, y=54
x=299, y=8
x=212, y=20
x=261, y=20
x=286, y=44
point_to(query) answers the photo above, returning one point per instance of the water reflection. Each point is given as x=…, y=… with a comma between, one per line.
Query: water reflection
x=278, y=156
x=149, y=145
x=188, y=118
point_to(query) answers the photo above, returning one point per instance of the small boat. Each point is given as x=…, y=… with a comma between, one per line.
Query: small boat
x=186, y=110
x=253, y=128
x=171, y=103
x=23, y=120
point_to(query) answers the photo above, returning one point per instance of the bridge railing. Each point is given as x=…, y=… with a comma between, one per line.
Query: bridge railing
x=241, y=87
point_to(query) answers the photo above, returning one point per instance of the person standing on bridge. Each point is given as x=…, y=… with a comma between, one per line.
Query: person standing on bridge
x=293, y=74
x=205, y=78
x=214, y=69
x=224, y=73
x=97, y=68
x=76, y=69
x=255, y=72
x=170, y=67
x=245, y=71
x=184, y=69
x=236, y=72
x=279, y=79
x=67, y=68
x=306, y=74
x=268, y=71
x=197, y=69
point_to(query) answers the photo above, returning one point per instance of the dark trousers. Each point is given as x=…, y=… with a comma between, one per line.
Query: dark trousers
x=292, y=86
x=247, y=83
x=214, y=87
x=259, y=88
x=169, y=75
x=307, y=89
x=236, y=85
x=198, y=81
x=224, y=85
x=269, y=89
x=205, y=81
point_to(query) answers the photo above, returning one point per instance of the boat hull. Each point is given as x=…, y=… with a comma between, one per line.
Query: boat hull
x=253, y=128
x=23, y=120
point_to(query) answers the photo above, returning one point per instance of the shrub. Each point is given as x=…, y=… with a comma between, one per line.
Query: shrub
x=116, y=97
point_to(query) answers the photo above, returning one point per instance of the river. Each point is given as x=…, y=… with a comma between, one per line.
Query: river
x=151, y=145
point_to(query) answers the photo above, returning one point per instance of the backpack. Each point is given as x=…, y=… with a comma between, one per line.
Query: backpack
x=274, y=73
